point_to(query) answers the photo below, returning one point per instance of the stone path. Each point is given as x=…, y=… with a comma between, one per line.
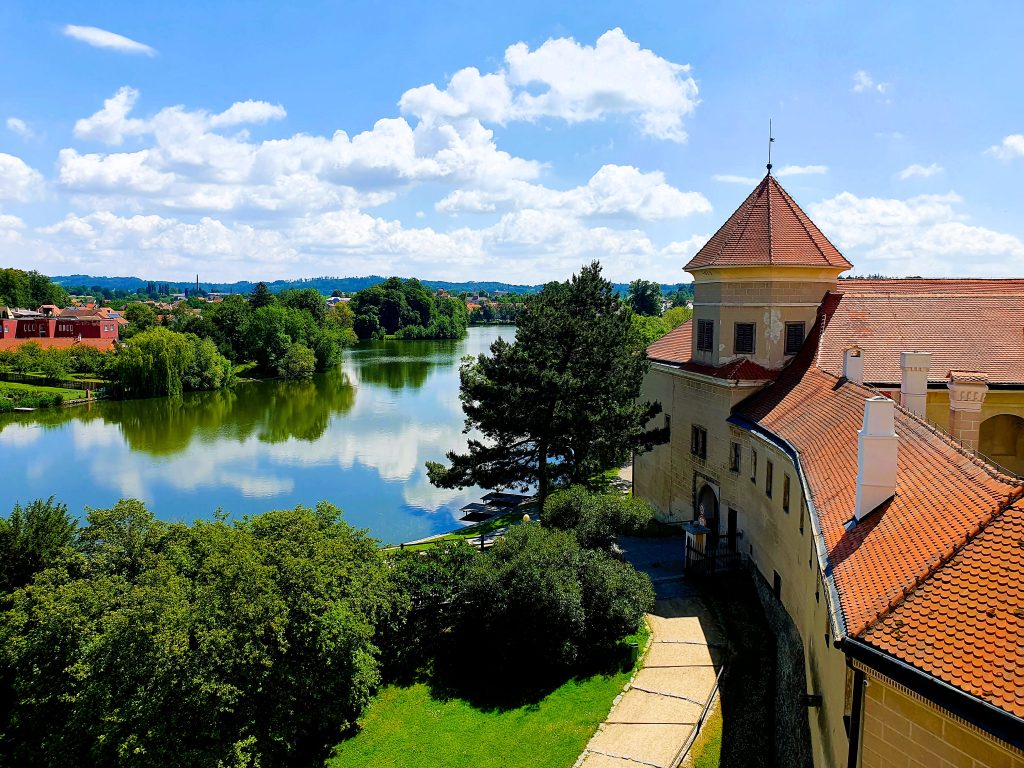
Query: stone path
x=654, y=718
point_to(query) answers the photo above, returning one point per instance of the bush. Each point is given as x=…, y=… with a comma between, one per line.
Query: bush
x=541, y=605
x=596, y=518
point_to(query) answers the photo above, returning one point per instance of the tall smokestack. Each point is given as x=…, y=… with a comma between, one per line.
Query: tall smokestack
x=876, y=455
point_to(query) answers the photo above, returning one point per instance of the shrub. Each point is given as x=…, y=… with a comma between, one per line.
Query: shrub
x=298, y=362
x=596, y=518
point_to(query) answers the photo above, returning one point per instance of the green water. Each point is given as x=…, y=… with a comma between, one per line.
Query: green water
x=357, y=436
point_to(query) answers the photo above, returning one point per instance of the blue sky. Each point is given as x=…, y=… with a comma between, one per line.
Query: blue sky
x=511, y=142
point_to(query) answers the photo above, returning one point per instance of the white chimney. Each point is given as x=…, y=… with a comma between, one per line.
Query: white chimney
x=876, y=456
x=853, y=365
x=914, y=381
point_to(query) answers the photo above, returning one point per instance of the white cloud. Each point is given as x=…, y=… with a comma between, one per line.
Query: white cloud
x=20, y=127
x=615, y=190
x=18, y=180
x=101, y=38
x=924, y=171
x=923, y=235
x=864, y=83
x=569, y=81
x=1010, y=148
x=801, y=170
x=729, y=178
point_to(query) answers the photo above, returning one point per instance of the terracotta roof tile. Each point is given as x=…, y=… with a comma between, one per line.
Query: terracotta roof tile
x=965, y=624
x=917, y=544
x=975, y=325
x=768, y=228
x=675, y=346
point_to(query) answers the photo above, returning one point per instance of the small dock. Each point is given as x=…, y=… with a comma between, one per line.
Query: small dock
x=493, y=504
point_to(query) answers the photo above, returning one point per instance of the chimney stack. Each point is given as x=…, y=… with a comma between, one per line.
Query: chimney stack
x=876, y=456
x=853, y=365
x=914, y=381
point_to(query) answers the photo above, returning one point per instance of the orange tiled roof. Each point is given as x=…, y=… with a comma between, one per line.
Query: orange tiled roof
x=674, y=346
x=915, y=543
x=966, y=324
x=965, y=624
x=61, y=342
x=768, y=228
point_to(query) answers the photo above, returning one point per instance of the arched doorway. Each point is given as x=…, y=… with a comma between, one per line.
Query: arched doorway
x=707, y=507
x=1001, y=439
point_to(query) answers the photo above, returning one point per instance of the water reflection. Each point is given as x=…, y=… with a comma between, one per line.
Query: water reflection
x=358, y=436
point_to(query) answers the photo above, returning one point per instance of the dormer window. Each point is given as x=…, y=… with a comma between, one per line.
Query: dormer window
x=744, y=341
x=705, y=335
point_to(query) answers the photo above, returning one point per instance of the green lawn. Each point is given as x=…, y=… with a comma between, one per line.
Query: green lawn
x=405, y=726
x=706, y=751
x=39, y=389
x=471, y=532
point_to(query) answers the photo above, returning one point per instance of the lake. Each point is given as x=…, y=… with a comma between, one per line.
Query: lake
x=357, y=436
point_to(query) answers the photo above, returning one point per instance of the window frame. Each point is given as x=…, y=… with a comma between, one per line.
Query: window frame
x=785, y=492
x=735, y=457
x=705, y=341
x=753, y=465
x=736, y=339
x=698, y=441
x=769, y=478
x=790, y=350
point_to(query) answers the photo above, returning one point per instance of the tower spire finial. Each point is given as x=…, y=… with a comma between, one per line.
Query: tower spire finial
x=771, y=140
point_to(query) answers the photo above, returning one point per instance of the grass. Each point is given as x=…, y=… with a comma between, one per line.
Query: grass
x=69, y=394
x=471, y=532
x=407, y=726
x=706, y=751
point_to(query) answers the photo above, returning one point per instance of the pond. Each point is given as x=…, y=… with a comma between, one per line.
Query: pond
x=357, y=436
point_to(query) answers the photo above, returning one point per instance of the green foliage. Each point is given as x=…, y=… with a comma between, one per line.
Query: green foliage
x=644, y=297
x=261, y=296
x=140, y=317
x=217, y=644
x=298, y=362
x=540, y=604
x=32, y=539
x=646, y=330
x=29, y=396
x=677, y=316
x=160, y=362
x=596, y=518
x=431, y=584
x=559, y=405
x=30, y=290
x=406, y=309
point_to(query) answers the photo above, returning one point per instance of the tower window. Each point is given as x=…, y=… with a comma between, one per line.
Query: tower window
x=705, y=335
x=794, y=337
x=744, y=344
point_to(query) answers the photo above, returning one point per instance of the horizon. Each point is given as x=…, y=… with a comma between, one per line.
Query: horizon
x=513, y=145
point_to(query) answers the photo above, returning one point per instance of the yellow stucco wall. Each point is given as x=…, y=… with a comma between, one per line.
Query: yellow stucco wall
x=900, y=730
x=669, y=477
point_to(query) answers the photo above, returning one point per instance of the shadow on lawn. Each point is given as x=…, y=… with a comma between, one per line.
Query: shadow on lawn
x=492, y=687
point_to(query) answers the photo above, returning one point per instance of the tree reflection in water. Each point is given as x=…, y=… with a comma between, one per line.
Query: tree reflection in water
x=402, y=364
x=272, y=411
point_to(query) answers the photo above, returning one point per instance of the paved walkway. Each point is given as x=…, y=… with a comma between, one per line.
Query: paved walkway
x=654, y=718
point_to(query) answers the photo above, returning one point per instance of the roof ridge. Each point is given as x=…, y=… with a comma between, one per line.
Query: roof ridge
x=768, y=192
x=943, y=561
x=799, y=215
x=741, y=230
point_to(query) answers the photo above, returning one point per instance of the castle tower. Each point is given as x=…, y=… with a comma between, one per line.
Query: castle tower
x=758, y=282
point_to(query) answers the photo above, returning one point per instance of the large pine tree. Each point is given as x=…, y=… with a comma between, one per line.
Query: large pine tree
x=559, y=405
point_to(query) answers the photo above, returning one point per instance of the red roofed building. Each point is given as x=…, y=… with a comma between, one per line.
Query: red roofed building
x=826, y=432
x=45, y=327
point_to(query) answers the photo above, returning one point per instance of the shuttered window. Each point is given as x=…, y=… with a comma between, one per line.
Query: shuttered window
x=794, y=337
x=705, y=335
x=744, y=344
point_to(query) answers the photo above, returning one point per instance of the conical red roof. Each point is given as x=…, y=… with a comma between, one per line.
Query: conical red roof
x=769, y=228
